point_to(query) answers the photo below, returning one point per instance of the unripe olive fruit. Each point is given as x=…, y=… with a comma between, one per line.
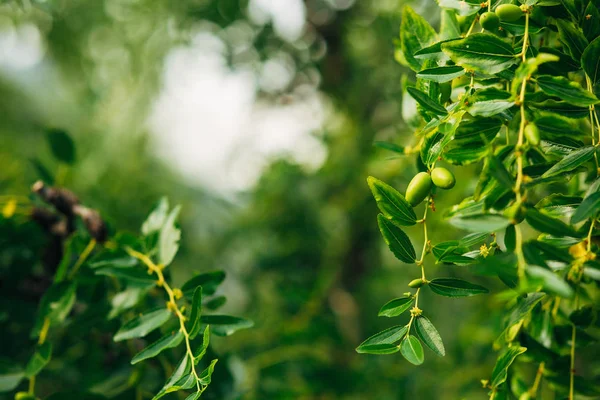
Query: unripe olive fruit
x=418, y=188
x=515, y=213
x=443, y=178
x=508, y=12
x=532, y=134
x=416, y=283
x=489, y=21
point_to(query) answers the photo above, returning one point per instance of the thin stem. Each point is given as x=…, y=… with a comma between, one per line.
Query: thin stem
x=589, y=88
x=172, y=304
x=538, y=379
x=489, y=5
x=82, y=257
x=572, y=366
x=472, y=26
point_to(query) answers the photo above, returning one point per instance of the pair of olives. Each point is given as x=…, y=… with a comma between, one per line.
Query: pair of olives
x=490, y=21
x=420, y=186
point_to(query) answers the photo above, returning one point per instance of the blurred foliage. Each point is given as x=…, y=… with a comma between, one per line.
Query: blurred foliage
x=302, y=250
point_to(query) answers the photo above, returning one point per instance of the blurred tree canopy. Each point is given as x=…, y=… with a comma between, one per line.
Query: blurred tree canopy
x=302, y=250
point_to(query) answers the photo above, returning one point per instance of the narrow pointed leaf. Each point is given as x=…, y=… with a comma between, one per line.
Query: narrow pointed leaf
x=415, y=34
x=412, y=350
x=168, y=341
x=142, y=325
x=566, y=90
x=39, y=360
x=225, y=325
x=426, y=102
x=588, y=208
x=392, y=204
x=441, y=74
x=209, y=281
x=547, y=224
x=194, y=322
x=205, y=376
x=500, y=371
x=395, y=307
x=429, y=335
x=451, y=287
x=572, y=161
x=397, y=240
x=389, y=336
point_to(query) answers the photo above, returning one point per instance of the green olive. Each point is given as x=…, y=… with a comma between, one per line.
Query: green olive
x=418, y=188
x=508, y=12
x=416, y=283
x=532, y=134
x=515, y=213
x=489, y=21
x=443, y=178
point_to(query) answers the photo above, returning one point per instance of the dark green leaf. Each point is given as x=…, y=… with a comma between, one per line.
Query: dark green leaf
x=412, y=350
x=194, y=322
x=481, y=52
x=480, y=222
x=451, y=287
x=503, y=363
x=572, y=38
x=378, y=349
x=489, y=102
x=441, y=74
x=591, y=23
x=168, y=341
x=42, y=171
x=395, y=307
x=142, y=325
x=547, y=224
x=426, y=102
x=225, y=325
x=209, y=281
x=389, y=336
x=62, y=145
x=183, y=368
x=588, y=208
x=554, y=126
x=567, y=90
x=583, y=317
x=549, y=281
x=56, y=304
x=205, y=376
x=392, y=204
x=391, y=147
x=137, y=275
x=429, y=335
x=397, y=240
x=40, y=359
x=590, y=61
x=572, y=161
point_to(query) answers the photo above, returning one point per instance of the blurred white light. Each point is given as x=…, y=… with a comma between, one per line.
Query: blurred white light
x=208, y=123
x=21, y=47
x=288, y=16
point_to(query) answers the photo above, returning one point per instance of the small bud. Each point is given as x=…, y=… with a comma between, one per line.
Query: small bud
x=416, y=283
x=484, y=250
x=177, y=293
x=415, y=311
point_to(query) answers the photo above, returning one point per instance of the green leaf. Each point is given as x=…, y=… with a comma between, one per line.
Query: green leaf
x=461, y=7
x=183, y=369
x=194, y=322
x=378, y=349
x=136, y=275
x=429, y=335
x=481, y=52
x=412, y=350
x=549, y=281
x=473, y=238
x=397, y=240
x=157, y=218
x=209, y=281
x=9, y=381
x=225, y=325
x=590, y=61
x=451, y=287
x=415, y=34
x=194, y=396
x=389, y=336
x=489, y=101
x=392, y=204
x=204, y=346
x=168, y=239
x=441, y=74
x=588, y=208
x=433, y=52
x=40, y=359
x=56, y=304
x=591, y=23
x=142, y=325
x=42, y=171
x=395, y=307
x=480, y=222
x=547, y=224
x=554, y=126
x=560, y=107
x=572, y=38
x=62, y=146
x=205, y=376
x=426, y=102
x=125, y=300
x=567, y=90
x=503, y=363
x=390, y=146
x=168, y=341
x=572, y=161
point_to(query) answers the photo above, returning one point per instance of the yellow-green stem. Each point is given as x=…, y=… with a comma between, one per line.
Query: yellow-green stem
x=538, y=378
x=82, y=257
x=157, y=269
